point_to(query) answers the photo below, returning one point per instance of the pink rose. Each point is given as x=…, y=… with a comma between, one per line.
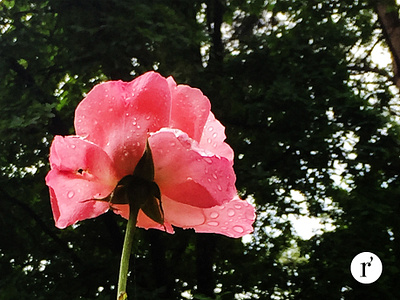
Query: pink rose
x=193, y=166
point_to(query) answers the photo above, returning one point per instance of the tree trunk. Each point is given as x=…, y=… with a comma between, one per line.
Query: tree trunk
x=215, y=13
x=389, y=19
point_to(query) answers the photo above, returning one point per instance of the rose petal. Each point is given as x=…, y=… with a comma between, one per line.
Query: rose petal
x=187, y=174
x=213, y=138
x=81, y=171
x=118, y=115
x=233, y=219
x=189, y=110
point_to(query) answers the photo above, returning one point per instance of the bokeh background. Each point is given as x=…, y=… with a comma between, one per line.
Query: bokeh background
x=310, y=110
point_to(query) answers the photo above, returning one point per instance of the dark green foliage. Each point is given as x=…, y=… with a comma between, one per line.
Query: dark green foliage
x=285, y=82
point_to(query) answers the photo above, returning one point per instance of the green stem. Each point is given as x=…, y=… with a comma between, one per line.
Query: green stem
x=126, y=253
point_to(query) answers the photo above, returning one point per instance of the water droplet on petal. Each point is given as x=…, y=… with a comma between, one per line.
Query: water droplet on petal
x=134, y=123
x=215, y=176
x=209, y=141
x=238, y=206
x=111, y=109
x=210, y=128
x=70, y=194
x=238, y=229
x=148, y=118
x=73, y=146
x=231, y=212
x=219, y=187
x=214, y=215
x=213, y=223
x=215, y=135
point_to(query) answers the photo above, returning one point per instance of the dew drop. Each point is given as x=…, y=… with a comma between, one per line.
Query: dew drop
x=219, y=187
x=138, y=127
x=238, y=206
x=127, y=114
x=231, y=212
x=70, y=194
x=110, y=110
x=213, y=223
x=209, y=141
x=214, y=215
x=238, y=229
x=134, y=123
x=73, y=146
x=148, y=118
x=215, y=135
x=98, y=196
x=215, y=176
x=172, y=144
x=210, y=128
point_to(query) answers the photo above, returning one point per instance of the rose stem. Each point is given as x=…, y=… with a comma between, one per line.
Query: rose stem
x=126, y=252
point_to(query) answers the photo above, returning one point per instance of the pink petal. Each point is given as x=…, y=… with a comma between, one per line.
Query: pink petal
x=187, y=174
x=213, y=138
x=118, y=115
x=233, y=219
x=189, y=110
x=81, y=172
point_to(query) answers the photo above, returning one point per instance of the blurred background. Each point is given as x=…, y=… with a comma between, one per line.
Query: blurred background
x=307, y=92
